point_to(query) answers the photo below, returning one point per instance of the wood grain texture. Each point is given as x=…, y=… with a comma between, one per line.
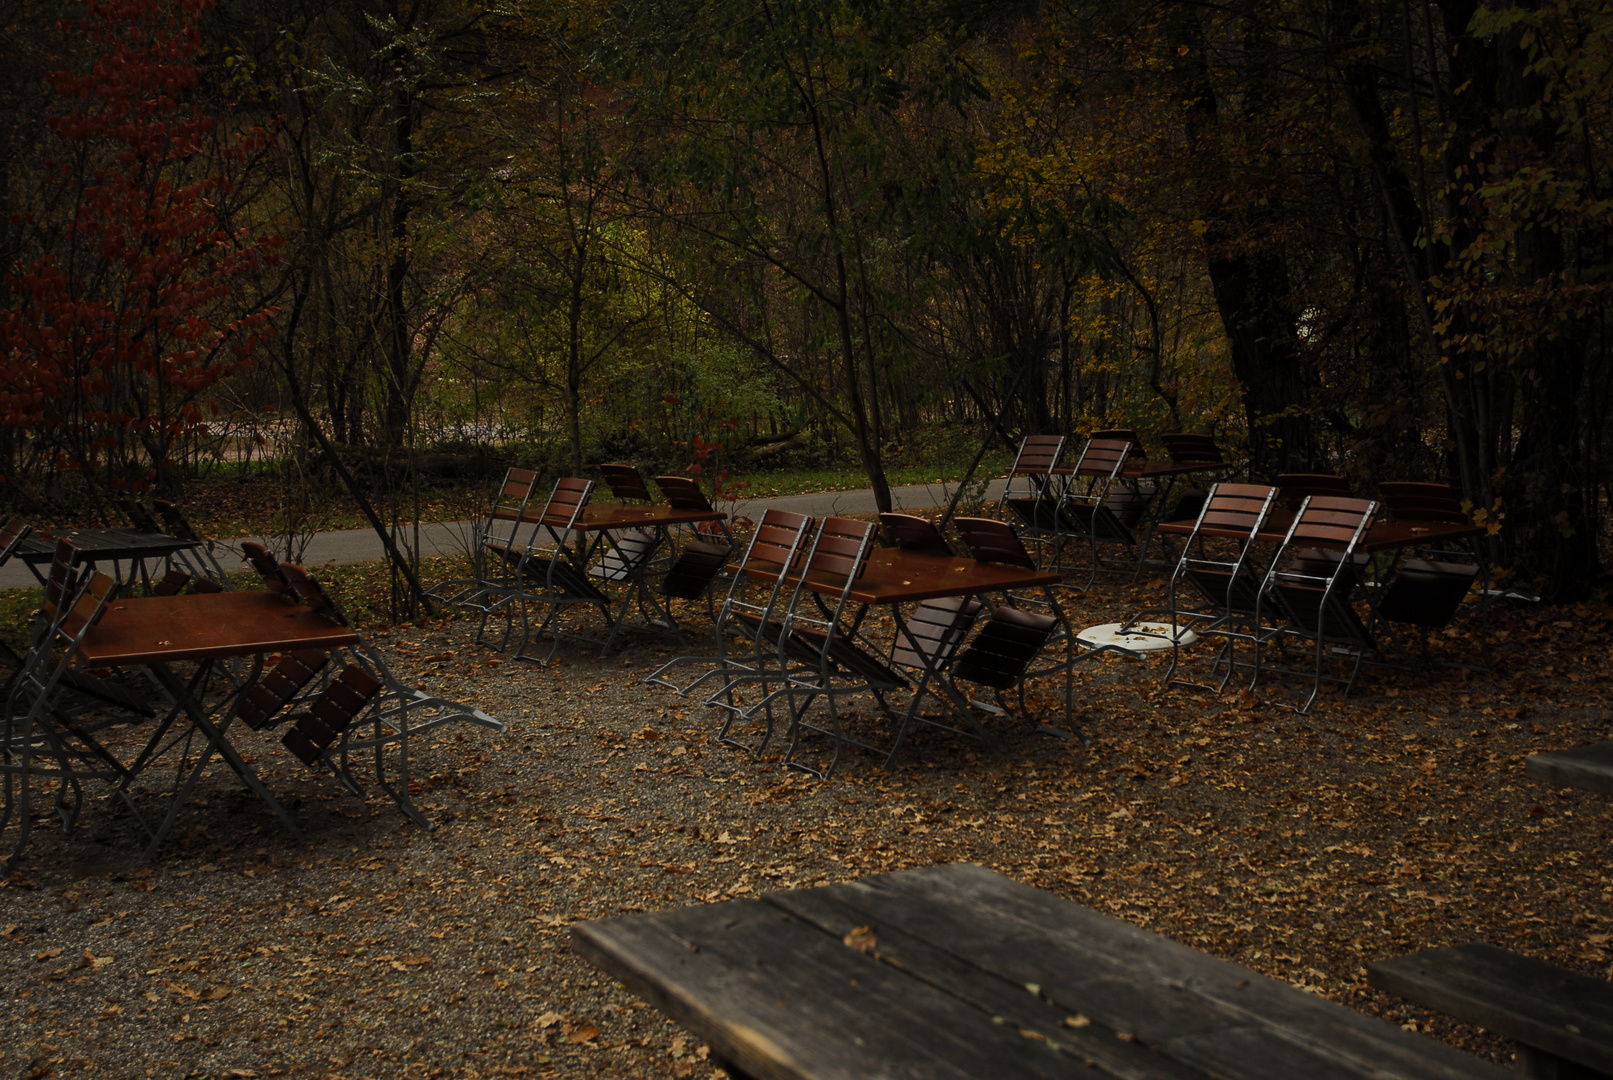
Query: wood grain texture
x=1586, y=767
x=1530, y=1001
x=166, y=629
x=973, y=974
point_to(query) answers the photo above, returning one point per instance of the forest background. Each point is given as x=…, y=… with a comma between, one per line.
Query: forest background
x=360, y=244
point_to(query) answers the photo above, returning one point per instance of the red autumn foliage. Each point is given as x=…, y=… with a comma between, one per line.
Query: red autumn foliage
x=124, y=314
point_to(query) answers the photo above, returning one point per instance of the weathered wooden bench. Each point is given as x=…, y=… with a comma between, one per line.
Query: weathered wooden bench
x=1588, y=767
x=958, y=973
x=1561, y=1021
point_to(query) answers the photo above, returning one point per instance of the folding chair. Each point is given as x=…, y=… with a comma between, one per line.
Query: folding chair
x=200, y=559
x=1428, y=589
x=551, y=573
x=820, y=642
x=1002, y=656
x=496, y=537
x=1030, y=495
x=1100, y=506
x=625, y=483
x=1294, y=488
x=774, y=549
x=1227, y=588
x=1192, y=450
x=42, y=738
x=139, y=516
x=911, y=533
x=699, y=563
x=329, y=731
x=1313, y=596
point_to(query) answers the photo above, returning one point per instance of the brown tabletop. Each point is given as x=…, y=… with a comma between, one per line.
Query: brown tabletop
x=605, y=518
x=1382, y=536
x=162, y=629
x=895, y=576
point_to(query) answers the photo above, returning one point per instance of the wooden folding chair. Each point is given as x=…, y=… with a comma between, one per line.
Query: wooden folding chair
x=1213, y=593
x=626, y=483
x=493, y=541
x=911, y=533
x=743, y=655
x=200, y=560
x=1201, y=451
x=820, y=640
x=1031, y=494
x=328, y=730
x=550, y=573
x=991, y=541
x=698, y=565
x=1101, y=507
x=1313, y=596
x=41, y=737
x=1428, y=588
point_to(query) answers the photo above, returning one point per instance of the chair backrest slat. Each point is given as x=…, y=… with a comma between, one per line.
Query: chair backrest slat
x=683, y=493
x=268, y=568
x=11, y=537
x=1293, y=488
x=842, y=547
x=1038, y=455
x=1409, y=501
x=914, y=534
x=626, y=483
x=1186, y=449
x=991, y=541
x=312, y=593
x=1103, y=458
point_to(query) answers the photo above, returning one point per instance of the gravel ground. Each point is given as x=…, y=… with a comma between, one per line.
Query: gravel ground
x=1303, y=847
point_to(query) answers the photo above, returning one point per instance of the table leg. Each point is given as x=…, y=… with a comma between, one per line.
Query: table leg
x=216, y=742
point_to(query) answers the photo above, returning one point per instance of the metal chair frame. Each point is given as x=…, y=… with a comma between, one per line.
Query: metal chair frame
x=1316, y=606
x=491, y=543
x=549, y=575
x=1230, y=589
x=1087, y=508
x=1035, y=504
x=778, y=541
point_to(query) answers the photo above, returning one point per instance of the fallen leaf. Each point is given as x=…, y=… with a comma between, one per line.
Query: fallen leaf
x=861, y=939
x=583, y=1034
x=48, y=954
x=548, y=1020
x=1079, y=1020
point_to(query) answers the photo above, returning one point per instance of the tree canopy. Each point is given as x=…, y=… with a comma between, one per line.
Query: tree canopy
x=1350, y=236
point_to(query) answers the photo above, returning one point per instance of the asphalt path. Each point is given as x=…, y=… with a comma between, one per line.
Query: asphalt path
x=363, y=545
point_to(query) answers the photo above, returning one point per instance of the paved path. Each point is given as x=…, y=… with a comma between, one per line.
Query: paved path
x=362, y=545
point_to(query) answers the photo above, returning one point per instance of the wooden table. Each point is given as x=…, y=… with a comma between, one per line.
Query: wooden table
x=895, y=576
x=608, y=522
x=96, y=546
x=1561, y=1021
x=960, y=972
x=156, y=631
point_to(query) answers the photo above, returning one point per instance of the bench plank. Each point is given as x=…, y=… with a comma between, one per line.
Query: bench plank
x=1529, y=1001
x=1587, y=767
